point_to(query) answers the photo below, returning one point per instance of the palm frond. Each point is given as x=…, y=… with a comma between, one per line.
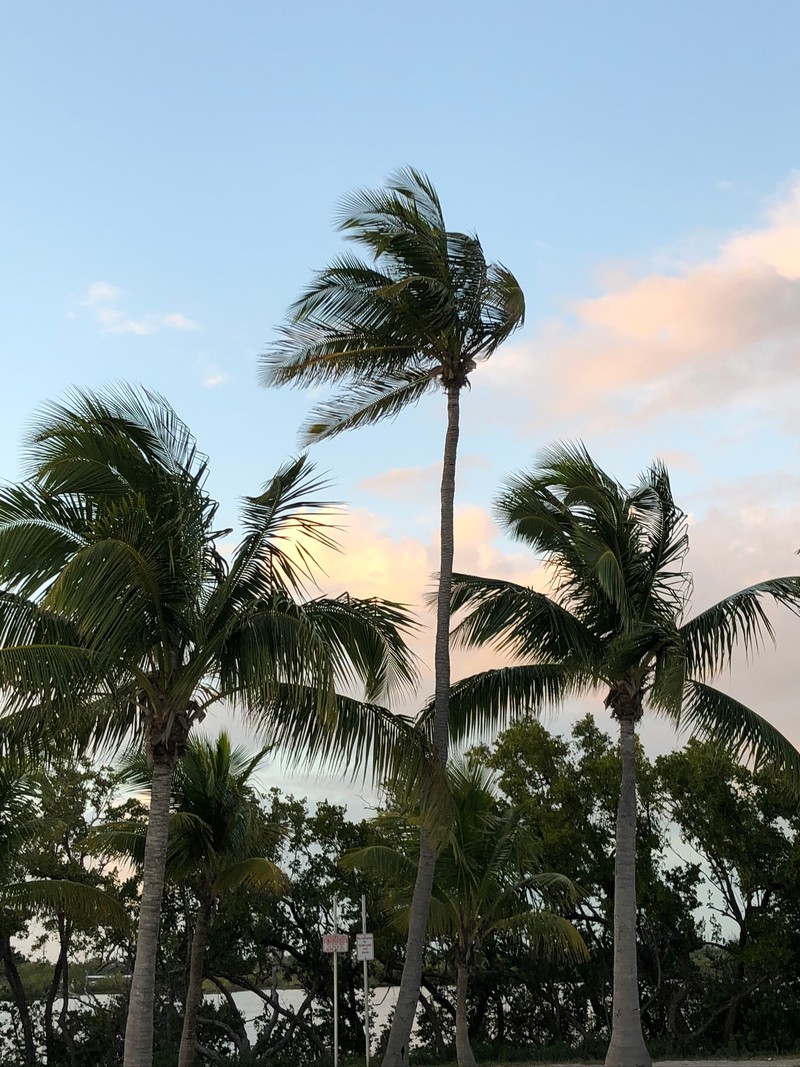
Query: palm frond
x=519, y=620
x=364, y=639
x=256, y=871
x=283, y=525
x=720, y=718
x=83, y=903
x=364, y=740
x=738, y=621
x=368, y=402
x=552, y=936
x=485, y=703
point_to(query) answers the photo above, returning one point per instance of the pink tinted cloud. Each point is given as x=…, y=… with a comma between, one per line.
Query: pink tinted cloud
x=402, y=482
x=375, y=562
x=720, y=330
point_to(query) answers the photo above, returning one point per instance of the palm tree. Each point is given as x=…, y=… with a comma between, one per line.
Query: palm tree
x=417, y=315
x=488, y=880
x=615, y=617
x=217, y=838
x=119, y=613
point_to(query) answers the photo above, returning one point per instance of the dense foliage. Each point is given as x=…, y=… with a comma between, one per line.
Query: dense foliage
x=718, y=894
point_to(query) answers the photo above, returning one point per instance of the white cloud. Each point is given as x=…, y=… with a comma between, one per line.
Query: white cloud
x=176, y=321
x=211, y=377
x=102, y=303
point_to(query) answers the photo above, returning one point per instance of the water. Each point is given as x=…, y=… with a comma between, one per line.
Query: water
x=252, y=1007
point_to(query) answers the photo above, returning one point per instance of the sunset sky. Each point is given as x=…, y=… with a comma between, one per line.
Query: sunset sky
x=170, y=176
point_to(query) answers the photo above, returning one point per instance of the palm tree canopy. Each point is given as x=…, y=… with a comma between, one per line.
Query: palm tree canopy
x=119, y=607
x=488, y=871
x=615, y=612
x=423, y=308
x=218, y=832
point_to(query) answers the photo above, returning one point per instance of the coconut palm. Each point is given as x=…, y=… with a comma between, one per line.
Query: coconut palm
x=614, y=618
x=488, y=880
x=217, y=839
x=415, y=316
x=121, y=614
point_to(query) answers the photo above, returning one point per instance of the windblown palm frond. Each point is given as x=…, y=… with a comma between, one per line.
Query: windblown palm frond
x=490, y=700
x=120, y=614
x=83, y=903
x=737, y=621
x=718, y=717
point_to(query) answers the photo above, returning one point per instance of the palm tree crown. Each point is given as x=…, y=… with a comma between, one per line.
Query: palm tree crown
x=422, y=310
x=616, y=611
x=615, y=617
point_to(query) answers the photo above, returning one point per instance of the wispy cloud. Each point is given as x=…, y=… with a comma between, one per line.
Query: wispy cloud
x=211, y=377
x=403, y=482
x=102, y=302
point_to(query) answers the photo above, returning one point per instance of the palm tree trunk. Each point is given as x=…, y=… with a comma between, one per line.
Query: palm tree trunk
x=627, y=1047
x=194, y=986
x=18, y=995
x=465, y=1057
x=52, y=993
x=400, y=1035
x=139, y=1028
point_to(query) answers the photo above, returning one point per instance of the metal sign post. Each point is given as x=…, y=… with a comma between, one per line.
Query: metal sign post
x=366, y=975
x=335, y=988
x=335, y=943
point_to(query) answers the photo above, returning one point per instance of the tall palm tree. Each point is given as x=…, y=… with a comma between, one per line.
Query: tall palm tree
x=614, y=618
x=488, y=879
x=417, y=315
x=119, y=613
x=217, y=839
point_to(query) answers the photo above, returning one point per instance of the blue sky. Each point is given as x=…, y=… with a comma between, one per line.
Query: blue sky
x=171, y=172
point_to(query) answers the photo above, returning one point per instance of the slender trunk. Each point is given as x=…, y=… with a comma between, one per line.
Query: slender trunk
x=50, y=997
x=19, y=998
x=465, y=1057
x=627, y=1047
x=500, y=1017
x=400, y=1035
x=139, y=1028
x=194, y=985
x=436, y=1027
x=63, y=1018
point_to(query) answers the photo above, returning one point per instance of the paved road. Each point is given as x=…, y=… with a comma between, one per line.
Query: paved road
x=762, y=1061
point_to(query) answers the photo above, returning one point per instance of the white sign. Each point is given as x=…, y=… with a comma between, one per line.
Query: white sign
x=365, y=947
x=335, y=942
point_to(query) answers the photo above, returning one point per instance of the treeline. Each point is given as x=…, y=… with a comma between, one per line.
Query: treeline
x=718, y=896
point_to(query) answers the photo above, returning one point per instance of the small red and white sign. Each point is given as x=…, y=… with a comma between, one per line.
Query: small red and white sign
x=335, y=943
x=365, y=946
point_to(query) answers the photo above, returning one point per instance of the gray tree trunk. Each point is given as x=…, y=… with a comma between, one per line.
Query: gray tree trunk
x=408, y=994
x=19, y=998
x=627, y=1047
x=465, y=1057
x=194, y=985
x=139, y=1028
